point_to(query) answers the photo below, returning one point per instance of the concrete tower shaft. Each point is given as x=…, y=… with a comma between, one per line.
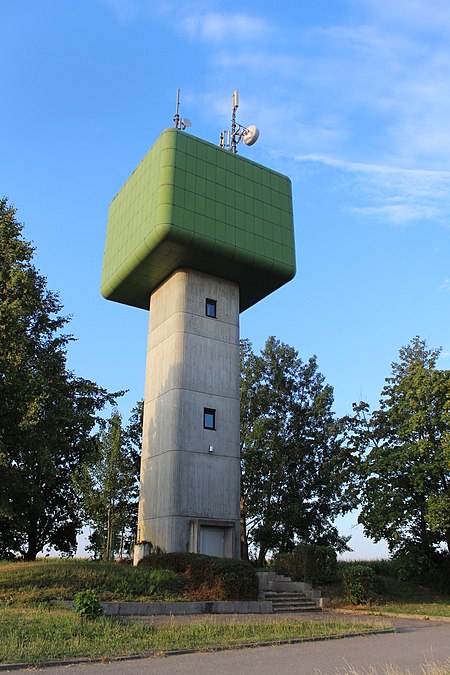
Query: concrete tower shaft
x=189, y=496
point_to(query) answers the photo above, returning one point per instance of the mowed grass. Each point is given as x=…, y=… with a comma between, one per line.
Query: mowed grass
x=34, y=635
x=47, y=580
x=402, y=597
x=414, y=609
x=395, y=596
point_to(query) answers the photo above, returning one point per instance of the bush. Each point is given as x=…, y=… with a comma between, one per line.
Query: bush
x=384, y=568
x=317, y=564
x=360, y=583
x=207, y=577
x=87, y=605
x=431, y=568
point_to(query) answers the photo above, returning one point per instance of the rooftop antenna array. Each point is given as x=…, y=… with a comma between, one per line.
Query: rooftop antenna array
x=230, y=138
x=180, y=122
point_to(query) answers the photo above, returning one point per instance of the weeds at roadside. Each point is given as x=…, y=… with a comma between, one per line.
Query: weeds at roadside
x=426, y=669
x=29, y=635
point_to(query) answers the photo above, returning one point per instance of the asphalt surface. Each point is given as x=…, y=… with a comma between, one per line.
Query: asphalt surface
x=415, y=644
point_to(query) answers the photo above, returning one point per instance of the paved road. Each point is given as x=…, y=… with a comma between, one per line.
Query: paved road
x=416, y=643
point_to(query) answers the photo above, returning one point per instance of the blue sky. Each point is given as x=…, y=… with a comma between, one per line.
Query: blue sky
x=352, y=99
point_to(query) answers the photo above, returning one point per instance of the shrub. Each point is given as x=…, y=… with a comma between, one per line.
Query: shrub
x=87, y=605
x=317, y=564
x=430, y=568
x=384, y=568
x=360, y=583
x=207, y=577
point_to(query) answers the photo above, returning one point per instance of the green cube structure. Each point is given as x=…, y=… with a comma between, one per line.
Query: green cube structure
x=191, y=204
x=197, y=234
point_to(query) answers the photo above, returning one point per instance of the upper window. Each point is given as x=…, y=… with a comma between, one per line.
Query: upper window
x=210, y=308
x=209, y=418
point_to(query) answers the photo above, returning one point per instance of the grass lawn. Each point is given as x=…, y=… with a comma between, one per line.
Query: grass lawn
x=51, y=579
x=35, y=626
x=395, y=597
x=418, y=609
x=33, y=635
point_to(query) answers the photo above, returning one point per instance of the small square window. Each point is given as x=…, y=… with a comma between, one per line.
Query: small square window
x=209, y=418
x=210, y=308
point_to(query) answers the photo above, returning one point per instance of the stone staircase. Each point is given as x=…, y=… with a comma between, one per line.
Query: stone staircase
x=287, y=595
x=290, y=602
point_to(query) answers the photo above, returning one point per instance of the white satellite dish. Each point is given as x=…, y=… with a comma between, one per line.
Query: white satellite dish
x=185, y=123
x=250, y=135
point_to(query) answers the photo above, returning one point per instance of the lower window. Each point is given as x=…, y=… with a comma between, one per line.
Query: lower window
x=209, y=418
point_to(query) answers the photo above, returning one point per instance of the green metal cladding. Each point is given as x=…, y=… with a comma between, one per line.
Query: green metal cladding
x=191, y=204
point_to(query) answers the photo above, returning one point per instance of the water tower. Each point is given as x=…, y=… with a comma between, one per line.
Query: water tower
x=196, y=235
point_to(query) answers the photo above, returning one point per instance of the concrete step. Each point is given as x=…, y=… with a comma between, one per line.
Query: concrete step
x=298, y=599
x=272, y=586
x=288, y=609
x=290, y=602
x=290, y=586
x=285, y=594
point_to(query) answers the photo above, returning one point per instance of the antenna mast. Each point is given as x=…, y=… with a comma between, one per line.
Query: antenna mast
x=178, y=121
x=235, y=106
x=229, y=138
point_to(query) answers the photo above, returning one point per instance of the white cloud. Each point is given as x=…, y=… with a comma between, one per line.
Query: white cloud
x=373, y=92
x=445, y=286
x=392, y=194
x=256, y=60
x=220, y=27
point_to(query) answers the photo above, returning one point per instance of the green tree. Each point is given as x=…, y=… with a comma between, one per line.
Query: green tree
x=108, y=485
x=290, y=452
x=404, y=452
x=47, y=414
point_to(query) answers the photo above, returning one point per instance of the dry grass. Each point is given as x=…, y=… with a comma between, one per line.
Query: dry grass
x=426, y=669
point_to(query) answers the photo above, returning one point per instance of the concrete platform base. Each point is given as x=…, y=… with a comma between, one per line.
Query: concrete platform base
x=118, y=609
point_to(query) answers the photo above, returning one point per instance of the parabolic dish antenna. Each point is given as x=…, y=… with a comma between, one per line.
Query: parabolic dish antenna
x=250, y=135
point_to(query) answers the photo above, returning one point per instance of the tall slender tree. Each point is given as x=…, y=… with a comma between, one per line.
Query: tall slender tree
x=108, y=486
x=47, y=414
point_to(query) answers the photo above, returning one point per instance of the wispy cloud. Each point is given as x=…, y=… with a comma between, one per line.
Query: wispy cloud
x=220, y=27
x=390, y=193
x=373, y=92
x=445, y=286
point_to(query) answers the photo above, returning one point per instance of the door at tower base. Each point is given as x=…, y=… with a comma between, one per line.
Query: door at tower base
x=190, y=471
x=211, y=537
x=212, y=541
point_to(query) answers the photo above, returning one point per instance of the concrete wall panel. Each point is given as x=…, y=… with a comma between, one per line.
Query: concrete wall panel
x=192, y=364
